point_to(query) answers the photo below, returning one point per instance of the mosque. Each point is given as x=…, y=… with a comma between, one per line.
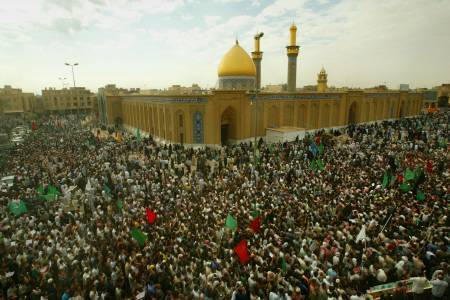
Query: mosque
x=239, y=110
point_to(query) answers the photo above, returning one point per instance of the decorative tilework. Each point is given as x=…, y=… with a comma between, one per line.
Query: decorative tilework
x=169, y=99
x=297, y=96
x=198, y=128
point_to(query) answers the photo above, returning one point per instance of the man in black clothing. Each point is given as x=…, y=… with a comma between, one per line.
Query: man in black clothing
x=240, y=293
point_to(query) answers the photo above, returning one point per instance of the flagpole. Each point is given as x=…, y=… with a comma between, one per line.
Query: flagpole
x=382, y=229
x=386, y=222
x=362, y=255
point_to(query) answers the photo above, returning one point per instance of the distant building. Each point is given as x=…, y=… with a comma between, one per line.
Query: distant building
x=275, y=88
x=74, y=99
x=14, y=101
x=181, y=90
x=430, y=98
x=338, y=89
x=309, y=88
x=378, y=88
x=111, y=91
x=152, y=92
x=404, y=87
x=443, y=94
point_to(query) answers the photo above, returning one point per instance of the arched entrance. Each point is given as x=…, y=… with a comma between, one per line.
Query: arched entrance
x=228, y=126
x=352, y=114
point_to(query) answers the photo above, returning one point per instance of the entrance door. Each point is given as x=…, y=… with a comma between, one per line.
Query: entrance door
x=228, y=127
x=224, y=128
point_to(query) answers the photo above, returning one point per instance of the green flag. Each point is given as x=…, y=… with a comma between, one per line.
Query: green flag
x=283, y=265
x=317, y=164
x=139, y=236
x=420, y=196
x=231, y=222
x=107, y=189
x=313, y=165
x=321, y=149
x=52, y=190
x=405, y=187
x=271, y=148
x=17, y=208
x=320, y=164
x=40, y=190
x=138, y=134
x=418, y=172
x=409, y=175
x=255, y=213
x=119, y=204
x=385, y=180
x=258, y=157
x=49, y=197
x=52, y=193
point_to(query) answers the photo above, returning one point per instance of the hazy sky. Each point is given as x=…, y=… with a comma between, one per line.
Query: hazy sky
x=157, y=43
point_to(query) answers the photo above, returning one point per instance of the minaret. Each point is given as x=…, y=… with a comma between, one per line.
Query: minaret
x=322, y=81
x=257, y=57
x=292, y=53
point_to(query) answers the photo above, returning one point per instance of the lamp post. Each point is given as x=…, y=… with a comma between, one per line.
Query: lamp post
x=73, y=78
x=73, y=74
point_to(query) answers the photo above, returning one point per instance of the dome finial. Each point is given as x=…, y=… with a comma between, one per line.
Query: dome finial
x=237, y=42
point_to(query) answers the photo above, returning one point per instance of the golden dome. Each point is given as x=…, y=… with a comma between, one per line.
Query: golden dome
x=236, y=62
x=293, y=27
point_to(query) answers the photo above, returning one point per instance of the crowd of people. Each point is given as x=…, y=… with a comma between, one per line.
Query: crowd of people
x=328, y=232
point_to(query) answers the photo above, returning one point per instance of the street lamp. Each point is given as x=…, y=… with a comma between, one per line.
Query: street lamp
x=73, y=74
x=73, y=77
